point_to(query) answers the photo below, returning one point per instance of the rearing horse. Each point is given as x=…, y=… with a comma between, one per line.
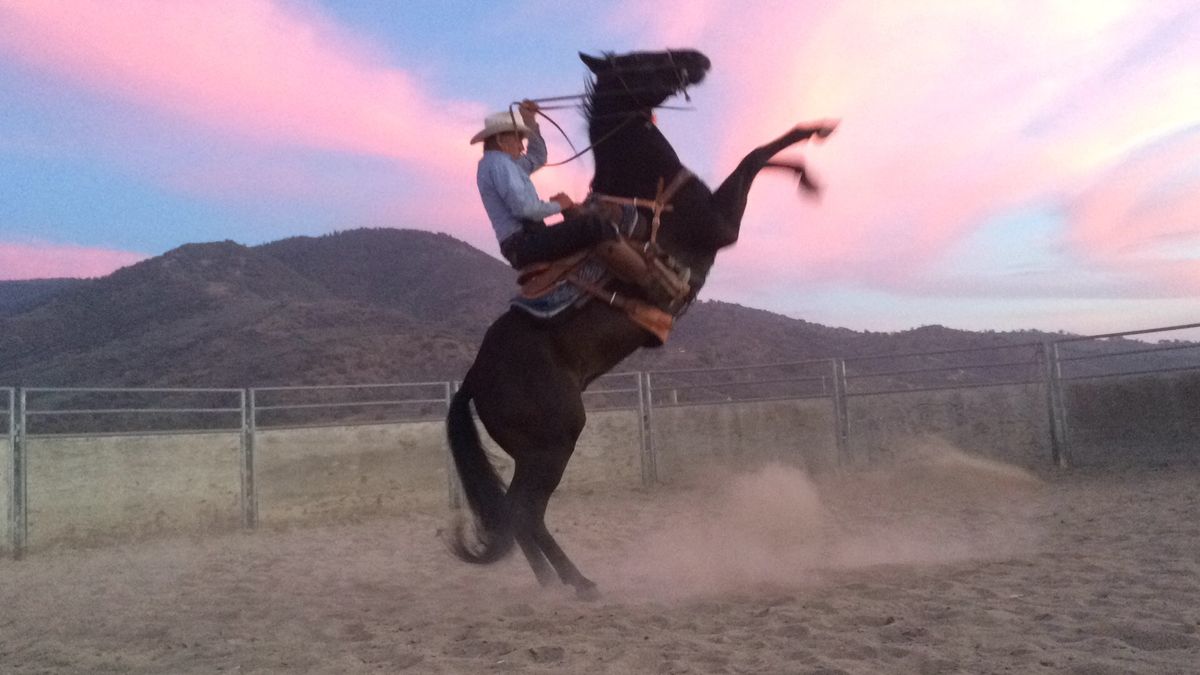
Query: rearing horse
x=528, y=377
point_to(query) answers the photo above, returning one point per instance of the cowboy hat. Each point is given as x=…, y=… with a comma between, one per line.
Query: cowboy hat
x=498, y=123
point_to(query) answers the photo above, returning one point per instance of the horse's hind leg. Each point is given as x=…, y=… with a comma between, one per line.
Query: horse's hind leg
x=526, y=515
x=541, y=482
x=569, y=574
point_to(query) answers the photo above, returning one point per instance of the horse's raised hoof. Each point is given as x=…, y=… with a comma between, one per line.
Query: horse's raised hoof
x=824, y=128
x=816, y=131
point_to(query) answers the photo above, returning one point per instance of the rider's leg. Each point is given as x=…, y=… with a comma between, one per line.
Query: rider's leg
x=541, y=243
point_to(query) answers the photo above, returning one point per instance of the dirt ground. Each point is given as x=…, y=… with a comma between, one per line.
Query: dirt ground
x=944, y=563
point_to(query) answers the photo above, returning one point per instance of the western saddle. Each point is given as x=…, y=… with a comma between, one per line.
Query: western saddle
x=633, y=257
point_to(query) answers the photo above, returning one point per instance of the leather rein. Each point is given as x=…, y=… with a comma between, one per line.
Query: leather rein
x=680, y=74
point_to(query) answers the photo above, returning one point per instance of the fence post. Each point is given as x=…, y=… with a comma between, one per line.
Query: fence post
x=841, y=418
x=18, y=508
x=643, y=451
x=646, y=408
x=453, y=485
x=10, y=469
x=249, y=487
x=9, y=466
x=1055, y=405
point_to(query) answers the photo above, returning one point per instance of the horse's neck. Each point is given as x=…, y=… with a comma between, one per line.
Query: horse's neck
x=633, y=161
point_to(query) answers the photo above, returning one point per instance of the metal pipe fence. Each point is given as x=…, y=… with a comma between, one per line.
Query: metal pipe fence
x=706, y=386
x=1117, y=395
x=1019, y=366
x=614, y=392
x=91, y=411
x=1058, y=368
x=340, y=405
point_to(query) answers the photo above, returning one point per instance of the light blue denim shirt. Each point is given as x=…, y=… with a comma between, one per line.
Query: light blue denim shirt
x=507, y=193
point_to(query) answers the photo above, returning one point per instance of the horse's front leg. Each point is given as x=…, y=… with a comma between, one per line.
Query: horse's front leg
x=729, y=200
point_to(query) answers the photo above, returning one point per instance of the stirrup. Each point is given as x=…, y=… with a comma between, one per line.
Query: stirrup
x=628, y=221
x=623, y=218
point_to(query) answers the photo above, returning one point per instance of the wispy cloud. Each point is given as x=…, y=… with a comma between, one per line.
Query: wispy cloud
x=1143, y=215
x=261, y=70
x=43, y=260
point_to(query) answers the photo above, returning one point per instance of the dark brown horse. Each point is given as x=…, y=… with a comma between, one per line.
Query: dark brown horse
x=528, y=377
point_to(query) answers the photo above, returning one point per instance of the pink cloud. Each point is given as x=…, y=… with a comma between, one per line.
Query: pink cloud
x=1140, y=202
x=46, y=261
x=1143, y=217
x=255, y=68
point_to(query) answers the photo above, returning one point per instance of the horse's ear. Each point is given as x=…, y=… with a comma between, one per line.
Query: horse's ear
x=594, y=64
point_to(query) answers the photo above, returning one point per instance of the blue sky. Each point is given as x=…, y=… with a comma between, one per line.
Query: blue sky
x=999, y=165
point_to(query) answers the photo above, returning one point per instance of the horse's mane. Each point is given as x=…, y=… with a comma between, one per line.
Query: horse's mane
x=589, y=94
x=614, y=171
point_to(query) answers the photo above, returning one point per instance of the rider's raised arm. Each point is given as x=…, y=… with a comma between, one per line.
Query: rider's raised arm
x=535, y=153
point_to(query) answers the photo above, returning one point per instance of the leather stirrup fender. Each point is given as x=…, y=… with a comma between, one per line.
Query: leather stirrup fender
x=652, y=319
x=540, y=278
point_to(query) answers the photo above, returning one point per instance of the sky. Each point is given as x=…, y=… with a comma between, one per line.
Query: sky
x=998, y=165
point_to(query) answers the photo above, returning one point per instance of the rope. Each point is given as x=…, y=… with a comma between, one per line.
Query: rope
x=580, y=153
x=629, y=116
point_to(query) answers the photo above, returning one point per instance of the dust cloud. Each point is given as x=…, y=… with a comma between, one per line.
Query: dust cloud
x=778, y=526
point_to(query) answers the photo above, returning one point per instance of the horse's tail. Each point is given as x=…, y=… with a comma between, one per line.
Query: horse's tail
x=482, y=487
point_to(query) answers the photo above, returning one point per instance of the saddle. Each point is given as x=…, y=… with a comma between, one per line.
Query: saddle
x=639, y=262
x=538, y=279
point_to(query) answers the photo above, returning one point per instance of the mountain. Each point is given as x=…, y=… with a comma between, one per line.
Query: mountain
x=429, y=277
x=361, y=306
x=20, y=296
x=223, y=314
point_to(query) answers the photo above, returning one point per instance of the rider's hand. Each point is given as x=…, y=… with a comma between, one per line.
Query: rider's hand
x=529, y=110
x=563, y=201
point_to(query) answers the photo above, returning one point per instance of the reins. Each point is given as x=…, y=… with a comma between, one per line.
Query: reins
x=629, y=117
x=680, y=74
x=579, y=153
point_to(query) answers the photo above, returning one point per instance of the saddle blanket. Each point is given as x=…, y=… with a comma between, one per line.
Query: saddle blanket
x=564, y=294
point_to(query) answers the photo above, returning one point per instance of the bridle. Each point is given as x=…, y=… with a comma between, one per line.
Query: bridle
x=629, y=116
x=680, y=76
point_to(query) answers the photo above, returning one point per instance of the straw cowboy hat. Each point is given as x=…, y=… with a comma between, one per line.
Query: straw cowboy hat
x=498, y=123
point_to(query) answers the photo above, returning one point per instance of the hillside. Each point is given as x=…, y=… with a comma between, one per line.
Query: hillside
x=372, y=305
x=20, y=296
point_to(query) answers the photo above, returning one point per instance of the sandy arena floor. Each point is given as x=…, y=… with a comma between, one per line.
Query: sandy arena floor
x=941, y=565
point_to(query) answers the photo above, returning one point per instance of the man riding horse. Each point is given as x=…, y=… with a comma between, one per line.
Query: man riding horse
x=517, y=213
x=527, y=380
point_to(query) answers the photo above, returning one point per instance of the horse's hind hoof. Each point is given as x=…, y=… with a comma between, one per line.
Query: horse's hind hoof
x=587, y=591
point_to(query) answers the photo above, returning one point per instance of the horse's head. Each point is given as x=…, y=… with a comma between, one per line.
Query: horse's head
x=643, y=80
x=634, y=158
